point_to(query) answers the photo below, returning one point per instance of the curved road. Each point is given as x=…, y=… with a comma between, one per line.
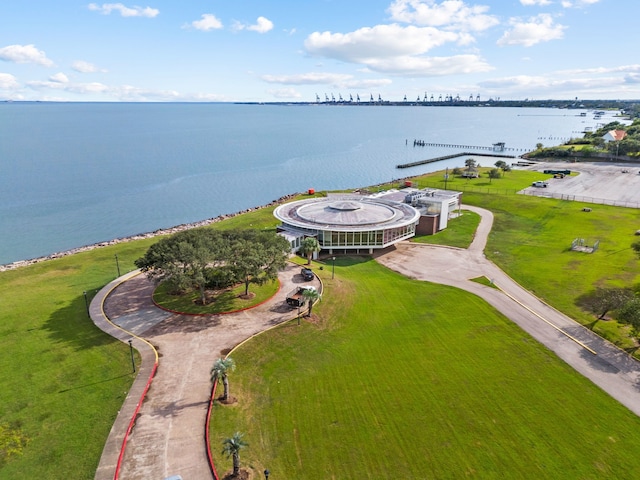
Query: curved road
x=604, y=364
x=168, y=436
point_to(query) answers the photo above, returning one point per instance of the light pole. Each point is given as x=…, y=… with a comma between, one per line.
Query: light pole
x=266, y=474
x=333, y=267
x=133, y=360
x=117, y=264
x=446, y=177
x=86, y=302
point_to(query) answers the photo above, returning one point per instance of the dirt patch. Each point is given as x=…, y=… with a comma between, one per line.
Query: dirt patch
x=242, y=475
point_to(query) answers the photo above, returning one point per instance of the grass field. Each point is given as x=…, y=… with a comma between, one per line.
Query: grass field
x=64, y=380
x=459, y=232
x=421, y=381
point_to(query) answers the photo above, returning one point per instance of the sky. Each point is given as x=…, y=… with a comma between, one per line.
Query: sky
x=301, y=50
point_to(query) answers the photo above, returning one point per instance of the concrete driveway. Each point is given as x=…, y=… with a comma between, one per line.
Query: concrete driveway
x=168, y=435
x=604, y=364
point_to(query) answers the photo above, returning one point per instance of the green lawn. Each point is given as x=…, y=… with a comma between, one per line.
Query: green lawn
x=531, y=239
x=64, y=380
x=459, y=231
x=224, y=301
x=405, y=379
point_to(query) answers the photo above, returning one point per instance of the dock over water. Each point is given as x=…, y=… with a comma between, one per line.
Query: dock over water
x=447, y=157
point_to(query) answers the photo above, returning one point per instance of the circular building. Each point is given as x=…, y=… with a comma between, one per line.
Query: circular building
x=347, y=223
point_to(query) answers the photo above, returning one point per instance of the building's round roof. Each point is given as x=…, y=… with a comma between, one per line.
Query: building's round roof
x=346, y=214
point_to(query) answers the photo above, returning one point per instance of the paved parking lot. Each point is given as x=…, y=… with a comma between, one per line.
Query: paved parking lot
x=614, y=182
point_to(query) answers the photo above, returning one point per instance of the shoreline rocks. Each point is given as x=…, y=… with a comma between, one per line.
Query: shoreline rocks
x=141, y=236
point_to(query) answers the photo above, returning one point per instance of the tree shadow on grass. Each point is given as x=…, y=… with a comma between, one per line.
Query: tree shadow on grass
x=72, y=326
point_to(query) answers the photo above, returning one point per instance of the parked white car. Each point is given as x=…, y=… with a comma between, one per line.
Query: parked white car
x=540, y=183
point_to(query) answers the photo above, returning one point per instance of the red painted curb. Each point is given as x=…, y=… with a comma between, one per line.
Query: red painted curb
x=207, y=440
x=133, y=421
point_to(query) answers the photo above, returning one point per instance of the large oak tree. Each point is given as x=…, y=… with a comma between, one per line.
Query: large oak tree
x=194, y=259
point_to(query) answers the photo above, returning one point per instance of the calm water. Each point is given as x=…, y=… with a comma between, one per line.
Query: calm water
x=77, y=174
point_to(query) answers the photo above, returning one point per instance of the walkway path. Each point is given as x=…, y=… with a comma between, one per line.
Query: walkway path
x=604, y=364
x=168, y=435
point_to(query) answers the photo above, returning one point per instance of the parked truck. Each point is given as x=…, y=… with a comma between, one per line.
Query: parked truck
x=296, y=298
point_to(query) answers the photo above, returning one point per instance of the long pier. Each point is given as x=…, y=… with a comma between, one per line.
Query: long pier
x=447, y=157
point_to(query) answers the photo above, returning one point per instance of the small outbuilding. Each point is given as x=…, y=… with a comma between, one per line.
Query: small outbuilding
x=614, y=136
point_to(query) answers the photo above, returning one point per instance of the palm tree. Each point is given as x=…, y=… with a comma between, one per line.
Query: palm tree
x=231, y=447
x=308, y=246
x=221, y=367
x=310, y=295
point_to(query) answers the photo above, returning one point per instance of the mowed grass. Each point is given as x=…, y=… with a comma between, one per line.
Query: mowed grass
x=531, y=240
x=531, y=237
x=459, y=232
x=63, y=380
x=405, y=379
x=224, y=301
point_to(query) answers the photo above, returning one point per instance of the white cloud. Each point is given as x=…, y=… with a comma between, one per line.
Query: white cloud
x=125, y=93
x=632, y=78
x=262, y=25
x=312, y=78
x=85, y=67
x=25, y=54
x=395, y=49
x=537, y=29
x=59, y=78
x=451, y=14
x=207, y=22
x=8, y=81
x=337, y=80
x=135, y=11
x=285, y=93
x=577, y=3
x=430, y=66
x=634, y=68
x=528, y=3
x=93, y=87
x=381, y=41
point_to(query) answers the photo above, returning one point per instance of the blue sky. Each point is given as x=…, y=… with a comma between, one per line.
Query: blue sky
x=293, y=50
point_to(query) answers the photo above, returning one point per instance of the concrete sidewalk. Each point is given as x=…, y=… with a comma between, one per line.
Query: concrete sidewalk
x=168, y=437
x=603, y=363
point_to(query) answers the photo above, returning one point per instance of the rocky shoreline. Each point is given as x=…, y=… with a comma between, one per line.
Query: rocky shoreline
x=140, y=236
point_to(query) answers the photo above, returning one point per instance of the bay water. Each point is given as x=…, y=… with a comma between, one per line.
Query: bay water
x=74, y=174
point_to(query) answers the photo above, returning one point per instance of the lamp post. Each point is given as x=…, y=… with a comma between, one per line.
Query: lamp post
x=117, y=264
x=266, y=474
x=86, y=302
x=446, y=177
x=133, y=360
x=333, y=267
